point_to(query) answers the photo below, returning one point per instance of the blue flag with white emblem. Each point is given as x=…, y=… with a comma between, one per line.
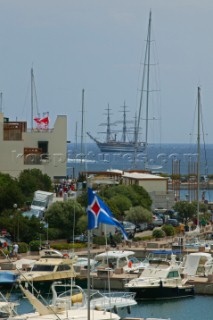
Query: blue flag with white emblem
x=98, y=212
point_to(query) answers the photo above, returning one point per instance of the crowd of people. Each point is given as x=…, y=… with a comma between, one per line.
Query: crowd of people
x=12, y=249
x=66, y=187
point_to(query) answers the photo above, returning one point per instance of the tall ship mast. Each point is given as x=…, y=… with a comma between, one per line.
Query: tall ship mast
x=130, y=139
x=127, y=142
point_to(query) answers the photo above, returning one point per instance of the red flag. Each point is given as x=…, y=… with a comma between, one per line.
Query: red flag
x=44, y=121
x=37, y=120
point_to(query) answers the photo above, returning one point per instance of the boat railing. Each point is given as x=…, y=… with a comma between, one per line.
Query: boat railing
x=119, y=295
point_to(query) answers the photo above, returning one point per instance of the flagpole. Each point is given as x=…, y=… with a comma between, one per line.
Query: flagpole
x=88, y=275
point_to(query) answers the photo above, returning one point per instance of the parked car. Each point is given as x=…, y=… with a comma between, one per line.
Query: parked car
x=137, y=227
x=157, y=221
x=143, y=226
x=78, y=239
x=130, y=228
x=173, y=222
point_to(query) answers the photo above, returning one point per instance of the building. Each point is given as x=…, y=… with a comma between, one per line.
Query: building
x=155, y=185
x=42, y=148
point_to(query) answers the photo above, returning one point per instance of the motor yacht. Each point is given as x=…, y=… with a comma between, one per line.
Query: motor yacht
x=160, y=280
x=47, y=270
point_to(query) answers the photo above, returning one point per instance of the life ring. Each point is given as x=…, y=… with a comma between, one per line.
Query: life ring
x=65, y=255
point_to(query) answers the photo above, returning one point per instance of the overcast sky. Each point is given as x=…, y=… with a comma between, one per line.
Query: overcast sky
x=98, y=45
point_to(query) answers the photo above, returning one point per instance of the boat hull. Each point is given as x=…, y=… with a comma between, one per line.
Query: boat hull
x=44, y=287
x=120, y=147
x=7, y=280
x=159, y=293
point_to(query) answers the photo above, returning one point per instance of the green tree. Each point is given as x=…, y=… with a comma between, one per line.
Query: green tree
x=83, y=199
x=138, y=214
x=187, y=210
x=64, y=215
x=121, y=202
x=21, y=228
x=143, y=197
x=10, y=192
x=82, y=224
x=31, y=180
x=136, y=194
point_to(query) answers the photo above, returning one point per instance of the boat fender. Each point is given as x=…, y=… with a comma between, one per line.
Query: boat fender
x=98, y=308
x=65, y=255
x=77, y=298
x=130, y=264
x=128, y=309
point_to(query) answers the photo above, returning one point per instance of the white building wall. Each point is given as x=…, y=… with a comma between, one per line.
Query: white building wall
x=12, y=152
x=154, y=185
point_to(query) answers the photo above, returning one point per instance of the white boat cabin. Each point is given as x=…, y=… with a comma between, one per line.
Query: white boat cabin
x=119, y=259
x=198, y=264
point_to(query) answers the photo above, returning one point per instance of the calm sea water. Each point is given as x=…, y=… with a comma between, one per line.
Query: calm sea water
x=165, y=158
x=195, y=308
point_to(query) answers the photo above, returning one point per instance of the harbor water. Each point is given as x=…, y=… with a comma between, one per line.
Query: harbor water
x=194, y=308
x=161, y=157
x=165, y=158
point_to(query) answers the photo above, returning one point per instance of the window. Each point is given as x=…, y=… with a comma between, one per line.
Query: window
x=63, y=267
x=40, y=267
x=43, y=145
x=173, y=274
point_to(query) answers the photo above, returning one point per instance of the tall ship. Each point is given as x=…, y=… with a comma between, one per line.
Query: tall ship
x=128, y=136
x=128, y=140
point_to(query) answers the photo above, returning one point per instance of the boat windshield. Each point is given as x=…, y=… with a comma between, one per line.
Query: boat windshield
x=134, y=259
x=173, y=274
x=38, y=203
x=42, y=267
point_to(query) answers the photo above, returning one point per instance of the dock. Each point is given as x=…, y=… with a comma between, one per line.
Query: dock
x=117, y=279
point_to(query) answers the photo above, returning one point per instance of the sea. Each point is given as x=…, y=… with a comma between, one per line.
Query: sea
x=191, y=308
x=160, y=158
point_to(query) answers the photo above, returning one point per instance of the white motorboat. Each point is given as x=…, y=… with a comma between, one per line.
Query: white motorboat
x=47, y=312
x=82, y=262
x=47, y=270
x=198, y=264
x=160, y=280
x=119, y=259
x=73, y=296
x=51, y=253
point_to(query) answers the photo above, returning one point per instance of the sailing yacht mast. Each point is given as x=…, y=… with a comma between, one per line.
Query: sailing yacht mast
x=198, y=156
x=148, y=78
x=32, y=101
x=82, y=126
x=145, y=76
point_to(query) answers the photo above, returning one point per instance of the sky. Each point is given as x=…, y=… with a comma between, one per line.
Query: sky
x=98, y=46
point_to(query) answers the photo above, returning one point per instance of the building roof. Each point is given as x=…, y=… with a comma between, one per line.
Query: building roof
x=142, y=176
